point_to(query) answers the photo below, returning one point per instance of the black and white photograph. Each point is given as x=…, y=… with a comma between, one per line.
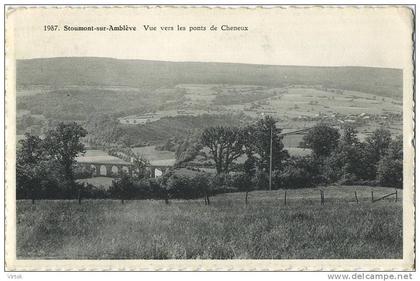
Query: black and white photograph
x=171, y=134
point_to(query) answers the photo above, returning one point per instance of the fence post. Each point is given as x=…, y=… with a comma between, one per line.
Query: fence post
x=246, y=198
x=322, y=197
x=79, y=195
x=320, y=194
x=285, y=195
x=355, y=195
x=396, y=195
x=371, y=195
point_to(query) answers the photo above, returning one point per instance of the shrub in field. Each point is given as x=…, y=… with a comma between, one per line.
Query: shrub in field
x=220, y=180
x=296, y=172
x=261, y=180
x=90, y=191
x=390, y=172
x=292, y=178
x=180, y=186
x=390, y=167
x=242, y=181
x=123, y=188
x=201, y=182
x=156, y=188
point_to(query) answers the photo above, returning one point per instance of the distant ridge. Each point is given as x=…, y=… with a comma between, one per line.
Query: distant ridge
x=95, y=71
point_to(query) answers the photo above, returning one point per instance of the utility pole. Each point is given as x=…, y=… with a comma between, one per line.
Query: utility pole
x=271, y=157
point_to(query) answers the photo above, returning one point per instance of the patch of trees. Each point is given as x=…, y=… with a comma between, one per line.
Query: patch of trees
x=45, y=167
x=336, y=157
x=347, y=160
x=240, y=98
x=155, y=74
x=105, y=130
x=174, y=185
x=258, y=142
x=186, y=148
x=68, y=104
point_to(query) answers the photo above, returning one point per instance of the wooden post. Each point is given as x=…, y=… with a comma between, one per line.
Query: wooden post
x=396, y=195
x=371, y=193
x=320, y=194
x=355, y=195
x=322, y=197
x=271, y=157
x=79, y=195
x=208, y=200
x=33, y=195
x=285, y=197
x=246, y=198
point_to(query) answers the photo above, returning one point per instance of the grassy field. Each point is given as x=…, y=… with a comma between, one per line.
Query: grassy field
x=156, y=157
x=101, y=182
x=96, y=155
x=227, y=229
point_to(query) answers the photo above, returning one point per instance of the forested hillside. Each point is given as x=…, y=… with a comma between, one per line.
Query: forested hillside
x=76, y=71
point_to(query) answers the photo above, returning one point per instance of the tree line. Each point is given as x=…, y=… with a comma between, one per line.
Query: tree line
x=45, y=168
x=337, y=157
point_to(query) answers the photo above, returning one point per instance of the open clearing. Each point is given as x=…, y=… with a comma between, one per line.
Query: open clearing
x=156, y=157
x=227, y=229
x=100, y=182
x=99, y=156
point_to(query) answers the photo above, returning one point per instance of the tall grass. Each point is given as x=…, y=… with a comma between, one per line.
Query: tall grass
x=227, y=229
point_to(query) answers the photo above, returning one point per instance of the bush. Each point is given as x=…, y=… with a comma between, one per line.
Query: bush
x=90, y=191
x=180, y=186
x=390, y=172
x=292, y=178
x=82, y=173
x=220, y=180
x=261, y=180
x=242, y=181
x=123, y=188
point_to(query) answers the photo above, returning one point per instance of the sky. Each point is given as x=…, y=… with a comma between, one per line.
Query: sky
x=378, y=37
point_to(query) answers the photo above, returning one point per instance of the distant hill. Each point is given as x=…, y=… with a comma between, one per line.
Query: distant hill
x=91, y=71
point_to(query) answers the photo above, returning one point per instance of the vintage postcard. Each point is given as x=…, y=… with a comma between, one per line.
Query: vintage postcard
x=209, y=138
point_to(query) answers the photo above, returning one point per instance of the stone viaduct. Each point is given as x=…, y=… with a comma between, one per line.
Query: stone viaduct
x=109, y=169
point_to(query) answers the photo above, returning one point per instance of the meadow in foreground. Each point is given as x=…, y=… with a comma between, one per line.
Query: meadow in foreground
x=226, y=229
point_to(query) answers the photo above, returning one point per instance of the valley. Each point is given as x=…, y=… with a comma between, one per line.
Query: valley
x=121, y=110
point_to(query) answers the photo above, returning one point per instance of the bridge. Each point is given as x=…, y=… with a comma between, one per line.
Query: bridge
x=296, y=132
x=113, y=169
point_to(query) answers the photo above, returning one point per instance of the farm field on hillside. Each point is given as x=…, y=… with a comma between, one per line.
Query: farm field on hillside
x=94, y=155
x=156, y=157
x=227, y=229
